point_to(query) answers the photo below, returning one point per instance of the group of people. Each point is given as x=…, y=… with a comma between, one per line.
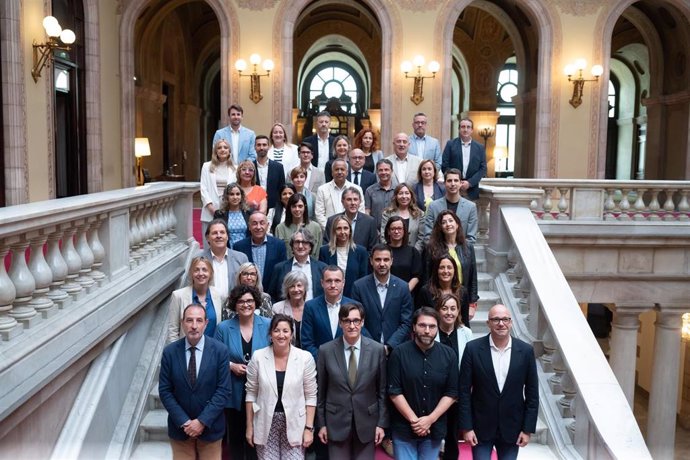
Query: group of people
x=332, y=297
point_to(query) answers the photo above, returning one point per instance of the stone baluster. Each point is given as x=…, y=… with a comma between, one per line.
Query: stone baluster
x=624, y=205
x=525, y=287
x=610, y=205
x=134, y=238
x=566, y=403
x=559, y=368
x=85, y=256
x=483, y=212
x=8, y=325
x=519, y=273
x=151, y=234
x=663, y=395
x=43, y=276
x=549, y=344
x=563, y=203
x=98, y=250
x=654, y=206
x=73, y=261
x=548, y=205
x=24, y=285
x=160, y=224
x=512, y=258
x=144, y=249
x=669, y=206
x=623, y=352
x=640, y=207
x=58, y=268
x=173, y=219
x=683, y=206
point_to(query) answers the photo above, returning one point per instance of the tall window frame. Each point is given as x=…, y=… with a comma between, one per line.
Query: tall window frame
x=334, y=79
x=506, y=89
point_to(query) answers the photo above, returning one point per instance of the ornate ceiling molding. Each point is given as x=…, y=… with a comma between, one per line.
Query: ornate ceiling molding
x=579, y=7
x=256, y=5
x=417, y=5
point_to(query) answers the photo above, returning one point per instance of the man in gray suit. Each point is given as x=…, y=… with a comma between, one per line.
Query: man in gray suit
x=421, y=144
x=351, y=408
x=405, y=166
x=465, y=209
x=225, y=261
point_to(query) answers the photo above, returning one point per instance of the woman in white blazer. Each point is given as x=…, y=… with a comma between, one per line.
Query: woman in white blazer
x=453, y=333
x=281, y=386
x=281, y=149
x=200, y=292
x=215, y=175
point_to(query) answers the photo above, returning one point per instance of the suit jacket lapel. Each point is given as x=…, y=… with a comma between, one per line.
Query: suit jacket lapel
x=515, y=357
x=182, y=360
x=340, y=357
x=271, y=370
x=488, y=364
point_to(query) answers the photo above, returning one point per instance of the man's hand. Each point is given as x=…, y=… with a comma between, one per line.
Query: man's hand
x=422, y=426
x=239, y=370
x=470, y=438
x=378, y=437
x=194, y=428
x=523, y=439
x=323, y=435
x=464, y=185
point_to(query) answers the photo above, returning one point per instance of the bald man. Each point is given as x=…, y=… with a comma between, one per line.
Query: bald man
x=405, y=166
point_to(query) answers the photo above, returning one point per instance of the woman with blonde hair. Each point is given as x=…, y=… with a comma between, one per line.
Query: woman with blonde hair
x=404, y=205
x=342, y=251
x=199, y=292
x=281, y=149
x=215, y=175
x=254, y=194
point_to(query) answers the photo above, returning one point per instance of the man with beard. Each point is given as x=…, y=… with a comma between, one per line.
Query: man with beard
x=421, y=389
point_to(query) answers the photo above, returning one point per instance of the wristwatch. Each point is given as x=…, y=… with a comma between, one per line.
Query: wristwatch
x=310, y=428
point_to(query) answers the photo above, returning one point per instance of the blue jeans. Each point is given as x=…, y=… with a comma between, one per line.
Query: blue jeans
x=415, y=449
x=504, y=451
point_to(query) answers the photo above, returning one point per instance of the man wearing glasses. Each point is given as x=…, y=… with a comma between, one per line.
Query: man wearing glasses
x=351, y=408
x=499, y=394
x=421, y=389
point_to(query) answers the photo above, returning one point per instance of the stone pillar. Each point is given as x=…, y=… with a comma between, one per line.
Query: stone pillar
x=663, y=397
x=624, y=328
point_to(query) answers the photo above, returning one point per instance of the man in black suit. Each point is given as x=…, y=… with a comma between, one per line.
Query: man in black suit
x=261, y=249
x=322, y=141
x=357, y=174
x=302, y=242
x=351, y=408
x=386, y=299
x=194, y=387
x=499, y=392
x=364, y=230
x=269, y=174
x=468, y=156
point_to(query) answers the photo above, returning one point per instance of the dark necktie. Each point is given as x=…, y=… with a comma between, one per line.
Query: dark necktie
x=352, y=367
x=356, y=177
x=191, y=369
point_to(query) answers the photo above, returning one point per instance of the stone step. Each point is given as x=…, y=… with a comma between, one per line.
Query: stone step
x=154, y=401
x=487, y=299
x=484, y=281
x=154, y=427
x=153, y=450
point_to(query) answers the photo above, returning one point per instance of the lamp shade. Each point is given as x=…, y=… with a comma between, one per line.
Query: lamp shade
x=67, y=37
x=141, y=147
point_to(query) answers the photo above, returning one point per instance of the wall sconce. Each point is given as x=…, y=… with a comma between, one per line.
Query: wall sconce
x=579, y=81
x=43, y=52
x=486, y=133
x=685, y=328
x=255, y=78
x=418, y=62
x=141, y=149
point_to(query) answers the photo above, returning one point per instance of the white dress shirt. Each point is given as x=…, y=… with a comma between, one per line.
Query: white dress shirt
x=400, y=168
x=333, y=310
x=235, y=144
x=220, y=272
x=306, y=269
x=198, y=353
x=465, y=157
x=501, y=361
x=346, y=350
x=324, y=151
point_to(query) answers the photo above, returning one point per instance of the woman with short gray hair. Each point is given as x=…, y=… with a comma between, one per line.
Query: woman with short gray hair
x=295, y=287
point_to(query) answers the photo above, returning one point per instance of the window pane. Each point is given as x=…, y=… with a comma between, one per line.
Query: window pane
x=352, y=94
x=326, y=74
x=506, y=111
x=340, y=74
x=333, y=89
x=508, y=91
x=349, y=84
x=502, y=78
x=316, y=84
x=513, y=76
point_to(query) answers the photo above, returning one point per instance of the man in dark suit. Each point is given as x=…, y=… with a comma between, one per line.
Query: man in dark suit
x=302, y=242
x=194, y=387
x=386, y=300
x=357, y=174
x=499, y=392
x=262, y=249
x=269, y=174
x=364, y=229
x=322, y=141
x=320, y=315
x=351, y=408
x=468, y=156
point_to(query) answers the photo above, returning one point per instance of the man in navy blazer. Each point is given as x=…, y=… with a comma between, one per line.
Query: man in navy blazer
x=357, y=174
x=320, y=316
x=321, y=151
x=388, y=323
x=272, y=178
x=499, y=392
x=262, y=249
x=468, y=156
x=241, y=139
x=194, y=387
x=302, y=242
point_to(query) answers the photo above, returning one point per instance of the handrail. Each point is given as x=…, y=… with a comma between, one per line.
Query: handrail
x=592, y=404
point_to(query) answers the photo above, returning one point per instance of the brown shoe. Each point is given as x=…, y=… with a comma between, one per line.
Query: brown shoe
x=387, y=445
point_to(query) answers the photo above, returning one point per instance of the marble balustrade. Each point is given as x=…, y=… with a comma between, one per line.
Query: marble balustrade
x=78, y=245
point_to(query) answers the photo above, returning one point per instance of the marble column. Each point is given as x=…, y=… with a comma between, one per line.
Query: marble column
x=623, y=352
x=663, y=397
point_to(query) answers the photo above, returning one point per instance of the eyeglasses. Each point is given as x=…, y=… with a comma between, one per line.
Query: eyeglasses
x=245, y=302
x=300, y=243
x=500, y=320
x=354, y=322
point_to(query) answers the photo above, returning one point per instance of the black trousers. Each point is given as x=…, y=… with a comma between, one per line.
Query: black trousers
x=235, y=446
x=451, y=450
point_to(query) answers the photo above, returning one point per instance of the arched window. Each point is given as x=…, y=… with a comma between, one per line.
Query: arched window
x=505, y=126
x=613, y=106
x=333, y=80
